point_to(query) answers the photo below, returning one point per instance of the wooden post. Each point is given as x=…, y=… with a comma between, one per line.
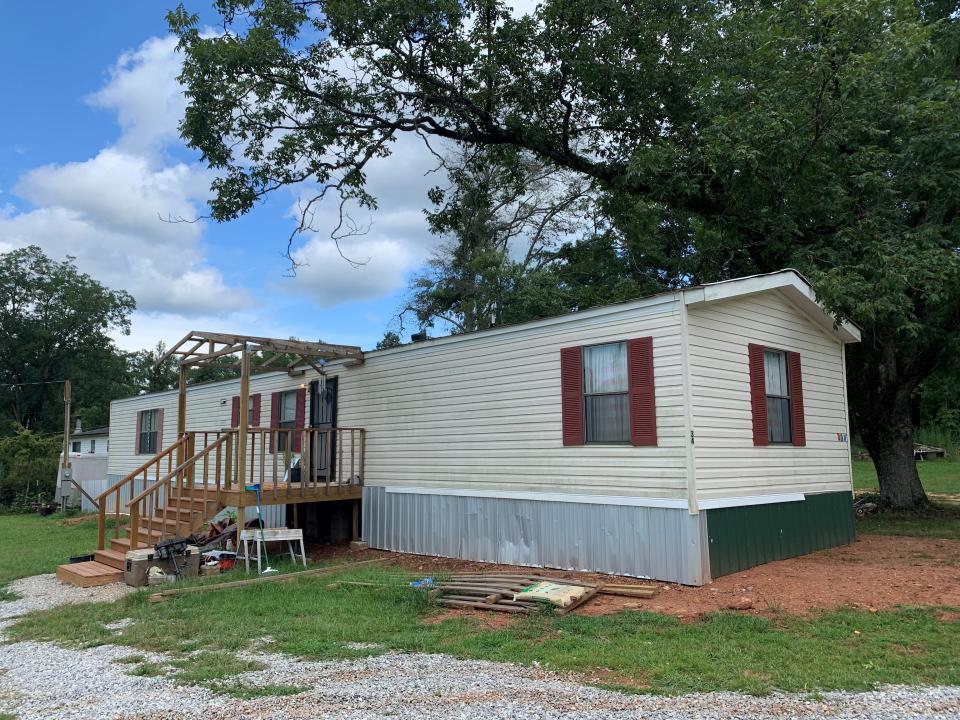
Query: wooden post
x=181, y=411
x=241, y=521
x=102, y=524
x=228, y=462
x=67, y=400
x=244, y=419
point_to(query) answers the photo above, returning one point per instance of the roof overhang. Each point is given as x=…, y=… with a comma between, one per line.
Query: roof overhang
x=201, y=348
x=791, y=284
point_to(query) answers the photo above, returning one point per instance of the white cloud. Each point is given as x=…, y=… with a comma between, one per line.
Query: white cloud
x=108, y=211
x=330, y=280
x=144, y=93
x=397, y=239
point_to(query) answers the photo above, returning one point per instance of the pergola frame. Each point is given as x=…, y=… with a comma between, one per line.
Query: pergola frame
x=198, y=348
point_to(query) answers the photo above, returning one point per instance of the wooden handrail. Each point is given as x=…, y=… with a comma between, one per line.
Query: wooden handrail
x=329, y=457
x=129, y=479
x=185, y=465
x=130, y=476
x=184, y=471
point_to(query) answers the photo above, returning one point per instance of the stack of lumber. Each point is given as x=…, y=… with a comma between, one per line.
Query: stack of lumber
x=503, y=592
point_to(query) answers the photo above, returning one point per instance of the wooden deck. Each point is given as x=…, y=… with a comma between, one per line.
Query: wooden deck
x=289, y=494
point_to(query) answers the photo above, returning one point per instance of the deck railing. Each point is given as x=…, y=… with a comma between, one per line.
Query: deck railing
x=202, y=463
x=119, y=494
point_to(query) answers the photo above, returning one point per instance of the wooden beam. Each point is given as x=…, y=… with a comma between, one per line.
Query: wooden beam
x=181, y=412
x=244, y=421
x=172, y=351
x=202, y=359
x=167, y=594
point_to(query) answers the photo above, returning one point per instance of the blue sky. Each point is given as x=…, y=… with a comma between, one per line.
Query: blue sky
x=90, y=160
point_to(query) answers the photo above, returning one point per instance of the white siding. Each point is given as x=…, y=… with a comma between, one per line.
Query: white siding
x=727, y=463
x=483, y=411
x=208, y=408
x=479, y=411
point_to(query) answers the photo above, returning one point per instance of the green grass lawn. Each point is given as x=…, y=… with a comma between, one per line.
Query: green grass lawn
x=941, y=520
x=938, y=521
x=633, y=650
x=639, y=651
x=30, y=545
x=937, y=476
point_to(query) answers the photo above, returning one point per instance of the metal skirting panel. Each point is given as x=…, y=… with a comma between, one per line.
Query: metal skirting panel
x=742, y=537
x=662, y=543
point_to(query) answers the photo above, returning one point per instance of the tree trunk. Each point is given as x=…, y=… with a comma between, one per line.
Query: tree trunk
x=881, y=405
x=891, y=447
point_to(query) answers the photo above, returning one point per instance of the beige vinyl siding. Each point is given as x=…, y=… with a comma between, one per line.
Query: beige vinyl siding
x=208, y=408
x=482, y=412
x=475, y=412
x=727, y=463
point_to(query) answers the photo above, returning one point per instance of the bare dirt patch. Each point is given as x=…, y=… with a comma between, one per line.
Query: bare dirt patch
x=876, y=572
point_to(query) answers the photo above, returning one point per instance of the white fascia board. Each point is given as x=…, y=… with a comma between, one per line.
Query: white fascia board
x=789, y=282
x=622, y=500
x=678, y=503
x=746, y=500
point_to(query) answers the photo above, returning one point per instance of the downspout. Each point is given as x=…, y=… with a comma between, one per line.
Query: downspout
x=688, y=431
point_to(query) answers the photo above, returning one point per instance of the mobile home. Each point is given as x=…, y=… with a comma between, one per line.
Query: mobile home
x=680, y=437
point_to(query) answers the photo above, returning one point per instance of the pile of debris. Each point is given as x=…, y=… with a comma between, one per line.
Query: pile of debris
x=523, y=593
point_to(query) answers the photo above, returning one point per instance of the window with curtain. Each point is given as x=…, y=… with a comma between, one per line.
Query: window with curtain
x=149, y=425
x=605, y=393
x=778, y=396
x=288, y=417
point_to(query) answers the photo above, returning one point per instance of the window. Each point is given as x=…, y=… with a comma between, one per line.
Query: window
x=93, y=446
x=148, y=432
x=75, y=446
x=606, y=393
x=779, y=428
x=288, y=417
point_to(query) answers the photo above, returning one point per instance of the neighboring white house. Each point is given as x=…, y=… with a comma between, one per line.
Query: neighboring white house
x=681, y=436
x=88, y=463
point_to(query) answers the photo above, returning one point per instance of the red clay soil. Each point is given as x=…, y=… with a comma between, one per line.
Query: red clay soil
x=876, y=572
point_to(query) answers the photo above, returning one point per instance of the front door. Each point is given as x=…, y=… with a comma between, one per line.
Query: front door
x=323, y=414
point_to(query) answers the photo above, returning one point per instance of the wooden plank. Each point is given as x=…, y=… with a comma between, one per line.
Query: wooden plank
x=579, y=601
x=480, y=605
x=167, y=594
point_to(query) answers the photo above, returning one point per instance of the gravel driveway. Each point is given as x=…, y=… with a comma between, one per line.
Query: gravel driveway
x=39, y=680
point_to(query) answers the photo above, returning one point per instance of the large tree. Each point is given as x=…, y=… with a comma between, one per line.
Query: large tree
x=719, y=140
x=54, y=325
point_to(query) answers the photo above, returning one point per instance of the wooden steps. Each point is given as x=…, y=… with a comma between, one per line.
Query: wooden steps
x=88, y=574
x=111, y=557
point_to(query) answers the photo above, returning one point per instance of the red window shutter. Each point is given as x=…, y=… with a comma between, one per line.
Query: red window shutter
x=301, y=419
x=255, y=404
x=571, y=395
x=159, y=429
x=136, y=436
x=795, y=380
x=758, y=395
x=235, y=412
x=643, y=404
x=274, y=416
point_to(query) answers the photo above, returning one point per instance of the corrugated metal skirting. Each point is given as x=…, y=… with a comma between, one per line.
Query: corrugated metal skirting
x=661, y=543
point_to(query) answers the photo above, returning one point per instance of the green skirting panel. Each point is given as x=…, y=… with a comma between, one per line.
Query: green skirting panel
x=742, y=537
